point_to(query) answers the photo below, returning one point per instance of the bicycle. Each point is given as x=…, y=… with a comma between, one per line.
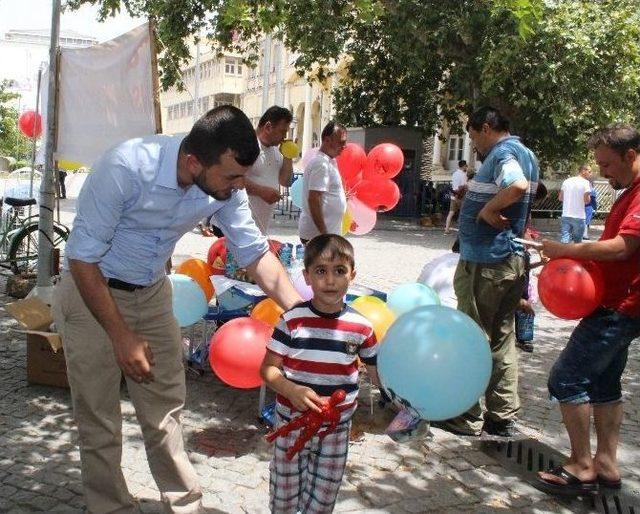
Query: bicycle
x=19, y=236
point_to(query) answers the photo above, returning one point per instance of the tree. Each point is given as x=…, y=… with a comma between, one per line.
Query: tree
x=557, y=68
x=12, y=142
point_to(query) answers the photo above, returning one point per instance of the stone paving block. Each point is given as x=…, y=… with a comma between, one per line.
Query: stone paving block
x=479, y=459
x=63, y=494
x=459, y=464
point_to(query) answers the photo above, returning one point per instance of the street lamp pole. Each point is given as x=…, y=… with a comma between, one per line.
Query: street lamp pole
x=45, y=223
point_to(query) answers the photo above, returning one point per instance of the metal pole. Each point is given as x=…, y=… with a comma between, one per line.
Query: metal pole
x=33, y=147
x=45, y=223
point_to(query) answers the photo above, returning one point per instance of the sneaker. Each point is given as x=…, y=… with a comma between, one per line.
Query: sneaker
x=500, y=428
x=447, y=426
x=525, y=347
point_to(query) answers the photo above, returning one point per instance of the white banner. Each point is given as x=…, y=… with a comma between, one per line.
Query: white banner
x=105, y=96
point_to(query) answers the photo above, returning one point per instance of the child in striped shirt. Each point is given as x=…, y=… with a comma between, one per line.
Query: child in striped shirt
x=313, y=352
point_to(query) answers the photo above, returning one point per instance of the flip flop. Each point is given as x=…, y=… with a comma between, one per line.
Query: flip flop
x=573, y=486
x=609, y=484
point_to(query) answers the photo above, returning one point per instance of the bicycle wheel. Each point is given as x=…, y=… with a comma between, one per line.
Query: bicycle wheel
x=23, y=248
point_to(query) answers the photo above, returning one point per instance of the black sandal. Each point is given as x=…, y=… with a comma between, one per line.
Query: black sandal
x=573, y=486
x=609, y=484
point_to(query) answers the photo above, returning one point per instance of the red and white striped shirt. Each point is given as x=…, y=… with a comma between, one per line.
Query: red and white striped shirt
x=320, y=351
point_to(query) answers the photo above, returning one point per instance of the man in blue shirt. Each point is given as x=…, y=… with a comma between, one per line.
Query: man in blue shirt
x=113, y=305
x=490, y=276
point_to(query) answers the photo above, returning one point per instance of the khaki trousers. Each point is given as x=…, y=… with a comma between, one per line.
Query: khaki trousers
x=490, y=294
x=95, y=377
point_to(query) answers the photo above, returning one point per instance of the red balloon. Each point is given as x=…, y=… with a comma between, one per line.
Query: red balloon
x=384, y=161
x=351, y=161
x=236, y=352
x=571, y=289
x=217, y=256
x=380, y=195
x=30, y=124
x=275, y=246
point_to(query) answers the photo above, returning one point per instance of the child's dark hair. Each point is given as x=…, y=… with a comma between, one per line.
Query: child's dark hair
x=331, y=246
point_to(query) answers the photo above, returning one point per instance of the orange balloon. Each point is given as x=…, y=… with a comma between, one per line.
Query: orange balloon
x=199, y=271
x=268, y=311
x=377, y=312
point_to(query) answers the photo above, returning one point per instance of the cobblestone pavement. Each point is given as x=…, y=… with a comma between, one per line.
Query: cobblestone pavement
x=39, y=460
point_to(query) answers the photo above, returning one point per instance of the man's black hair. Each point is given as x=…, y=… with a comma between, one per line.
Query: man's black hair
x=489, y=115
x=462, y=163
x=224, y=128
x=331, y=128
x=275, y=114
x=619, y=137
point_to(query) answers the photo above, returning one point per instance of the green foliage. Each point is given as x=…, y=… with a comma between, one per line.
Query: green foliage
x=557, y=68
x=12, y=142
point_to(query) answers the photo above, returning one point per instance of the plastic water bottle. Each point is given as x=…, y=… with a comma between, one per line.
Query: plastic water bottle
x=285, y=255
x=300, y=255
x=231, y=266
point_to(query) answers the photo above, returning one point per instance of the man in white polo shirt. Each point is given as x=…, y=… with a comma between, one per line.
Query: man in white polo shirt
x=272, y=169
x=323, y=199
x=574, y=194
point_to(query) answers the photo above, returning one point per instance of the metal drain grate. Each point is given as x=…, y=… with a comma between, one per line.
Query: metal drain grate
x=528, y=456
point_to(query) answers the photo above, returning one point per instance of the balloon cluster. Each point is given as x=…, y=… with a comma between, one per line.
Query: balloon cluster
x=432, y=358
x=368, y=184
x=192, y=291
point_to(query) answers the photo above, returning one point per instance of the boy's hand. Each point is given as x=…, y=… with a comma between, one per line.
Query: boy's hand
x=304, y=398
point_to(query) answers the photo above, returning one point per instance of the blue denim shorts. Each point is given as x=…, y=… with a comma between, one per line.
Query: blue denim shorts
x=589, y=368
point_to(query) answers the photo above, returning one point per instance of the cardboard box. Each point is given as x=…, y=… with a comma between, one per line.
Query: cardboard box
x=46, y=364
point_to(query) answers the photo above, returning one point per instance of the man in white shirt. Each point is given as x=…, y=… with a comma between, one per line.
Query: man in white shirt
x=459, y=186
x=272, y=169
x=574, y=194
x=323, y=199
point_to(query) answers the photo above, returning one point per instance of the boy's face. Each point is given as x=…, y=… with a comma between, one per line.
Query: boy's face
x=329, y=280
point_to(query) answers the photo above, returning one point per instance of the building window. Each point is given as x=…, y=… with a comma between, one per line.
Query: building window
x=230, y=66
x=183, y=109
x=456, y=147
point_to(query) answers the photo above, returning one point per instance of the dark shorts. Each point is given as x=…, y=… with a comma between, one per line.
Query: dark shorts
x=589, y=368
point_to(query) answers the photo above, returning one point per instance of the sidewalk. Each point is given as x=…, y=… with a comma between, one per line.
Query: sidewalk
x=39, y=461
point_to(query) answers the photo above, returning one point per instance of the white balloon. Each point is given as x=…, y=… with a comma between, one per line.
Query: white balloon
x=438, y=274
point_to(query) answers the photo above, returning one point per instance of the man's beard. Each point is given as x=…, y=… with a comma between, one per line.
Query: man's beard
x=201, y=183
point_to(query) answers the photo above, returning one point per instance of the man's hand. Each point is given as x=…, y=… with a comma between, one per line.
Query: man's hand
x=493, y=218
x=134, y=357
x=525, y=306
x=553, y=249
x=304, y=398
x=270, y=195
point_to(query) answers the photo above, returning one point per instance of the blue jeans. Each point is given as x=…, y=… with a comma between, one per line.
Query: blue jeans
x=571, y=229
x=589, y=368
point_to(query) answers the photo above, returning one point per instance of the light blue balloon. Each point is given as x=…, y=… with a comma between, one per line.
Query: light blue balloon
x=407, y=297
x=295, y=193
x=437, y=360
x=189, y=301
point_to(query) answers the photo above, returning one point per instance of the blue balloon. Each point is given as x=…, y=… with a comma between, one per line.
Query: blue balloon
x=295, y=193
x=436, y=360
x=189, y=301
x=407, y=297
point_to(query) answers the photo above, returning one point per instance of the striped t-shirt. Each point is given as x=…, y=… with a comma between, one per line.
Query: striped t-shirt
x=320, y=351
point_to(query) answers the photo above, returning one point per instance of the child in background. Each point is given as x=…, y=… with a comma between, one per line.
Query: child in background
x=313, y=352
